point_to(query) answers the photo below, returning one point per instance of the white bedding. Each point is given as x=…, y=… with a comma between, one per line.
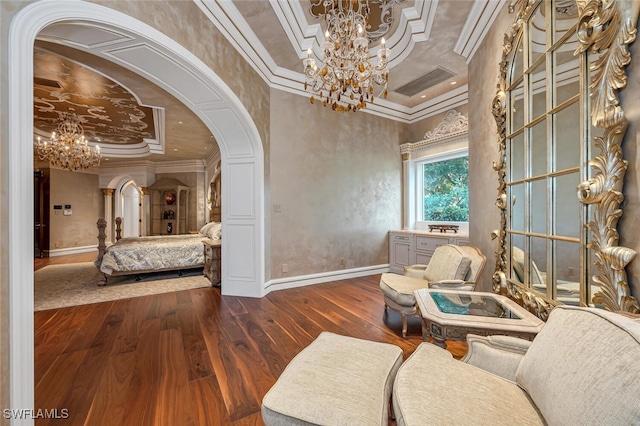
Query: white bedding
x=154, y=253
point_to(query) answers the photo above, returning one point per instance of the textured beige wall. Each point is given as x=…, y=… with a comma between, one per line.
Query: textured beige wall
x=415, y=132
x=337, y=178
x=483, y=146
x=81, y=191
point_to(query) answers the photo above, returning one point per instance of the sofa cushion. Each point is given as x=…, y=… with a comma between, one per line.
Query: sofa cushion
x=582, y=368
x=432, y=388
x=448, y=263
x=336, y=380
x=400, y=288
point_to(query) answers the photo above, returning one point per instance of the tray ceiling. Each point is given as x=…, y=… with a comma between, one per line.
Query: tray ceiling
x=124, y=111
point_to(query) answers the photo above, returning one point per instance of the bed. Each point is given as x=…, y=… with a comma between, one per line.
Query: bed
x=138, y=255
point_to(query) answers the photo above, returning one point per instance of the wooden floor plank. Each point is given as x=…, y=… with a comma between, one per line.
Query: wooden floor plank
x=84, y=336
x=79, y=397
x=142, y=392
x=195, y=350
x=58, y=333
x=109, y=403
x=214, y=412
x=274, y=326
x=237, y=398
x=57, y=381
x=174, y=403
x=127, y=340
x=232, y=341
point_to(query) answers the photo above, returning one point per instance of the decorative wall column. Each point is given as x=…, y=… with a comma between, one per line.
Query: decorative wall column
x=145, y=227
x=108, y=214
x=408, y=189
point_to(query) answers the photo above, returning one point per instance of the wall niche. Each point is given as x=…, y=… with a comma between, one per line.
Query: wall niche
x=169, y=207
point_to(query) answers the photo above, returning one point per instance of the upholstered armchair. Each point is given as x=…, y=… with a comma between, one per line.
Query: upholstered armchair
x=451, y=267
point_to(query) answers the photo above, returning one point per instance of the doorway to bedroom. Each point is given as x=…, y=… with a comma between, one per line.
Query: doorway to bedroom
x=241, y=154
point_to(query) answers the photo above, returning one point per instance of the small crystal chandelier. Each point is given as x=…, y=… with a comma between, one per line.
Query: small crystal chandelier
x=68, y=148
x=347, y=77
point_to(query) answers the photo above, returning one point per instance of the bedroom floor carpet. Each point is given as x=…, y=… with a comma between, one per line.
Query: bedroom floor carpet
x=58, y=286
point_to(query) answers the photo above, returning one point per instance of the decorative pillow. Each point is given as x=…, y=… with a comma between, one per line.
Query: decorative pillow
x=215, y=232
x=447, y=263
x=207, y=226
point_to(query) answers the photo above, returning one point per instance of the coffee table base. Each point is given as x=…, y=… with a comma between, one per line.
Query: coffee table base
x=440, y=333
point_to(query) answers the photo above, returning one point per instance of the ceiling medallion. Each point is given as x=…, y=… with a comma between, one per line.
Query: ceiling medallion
x=68, y=148
x=346, y=77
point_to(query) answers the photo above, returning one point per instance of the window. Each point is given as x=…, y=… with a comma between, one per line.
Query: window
x=445, y=189
x=442, y=189
x=435, y=173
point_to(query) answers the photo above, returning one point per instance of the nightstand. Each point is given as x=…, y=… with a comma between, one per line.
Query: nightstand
x=212, y=264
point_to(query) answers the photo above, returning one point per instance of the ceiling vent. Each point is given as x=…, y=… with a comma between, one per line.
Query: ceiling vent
x=44, y=82
x=428, y=80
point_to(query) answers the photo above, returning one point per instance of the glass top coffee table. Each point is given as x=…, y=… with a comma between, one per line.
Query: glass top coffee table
x=452, y=314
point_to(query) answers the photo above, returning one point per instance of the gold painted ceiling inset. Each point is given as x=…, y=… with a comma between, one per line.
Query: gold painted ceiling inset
x=109, y=112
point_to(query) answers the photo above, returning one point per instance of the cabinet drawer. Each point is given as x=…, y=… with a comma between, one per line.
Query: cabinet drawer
x=405, y=238
x=430, y=243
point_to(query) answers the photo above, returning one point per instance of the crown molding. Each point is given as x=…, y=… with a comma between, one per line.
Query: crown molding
x=480, y=19
x=302, y=35
x=181, y=166
x=226, y=17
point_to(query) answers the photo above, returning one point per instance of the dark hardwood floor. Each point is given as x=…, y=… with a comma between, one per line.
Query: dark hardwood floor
x=193, y=357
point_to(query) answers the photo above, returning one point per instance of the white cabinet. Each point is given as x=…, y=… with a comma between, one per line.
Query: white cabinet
x=399, y=250
x=411, y=247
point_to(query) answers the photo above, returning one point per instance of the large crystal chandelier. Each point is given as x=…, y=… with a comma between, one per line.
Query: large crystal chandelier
x=68, y=148
x=346, y=78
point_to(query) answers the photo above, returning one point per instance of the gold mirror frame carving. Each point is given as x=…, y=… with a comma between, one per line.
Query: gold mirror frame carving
x=605, y=28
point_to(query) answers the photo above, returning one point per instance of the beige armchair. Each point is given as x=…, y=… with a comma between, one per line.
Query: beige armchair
x=581, y=369
x=452, y=267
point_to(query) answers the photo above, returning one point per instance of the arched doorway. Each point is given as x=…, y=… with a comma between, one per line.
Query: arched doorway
x=129, y=209
x=180, y=73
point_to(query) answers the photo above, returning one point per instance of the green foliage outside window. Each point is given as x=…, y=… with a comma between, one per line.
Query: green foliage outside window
x=446, y=190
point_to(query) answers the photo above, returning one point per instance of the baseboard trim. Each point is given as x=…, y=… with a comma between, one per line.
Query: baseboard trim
x=323, y=277
x=72, y=250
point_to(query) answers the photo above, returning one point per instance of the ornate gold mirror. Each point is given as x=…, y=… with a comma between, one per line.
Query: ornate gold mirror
x=561, y=170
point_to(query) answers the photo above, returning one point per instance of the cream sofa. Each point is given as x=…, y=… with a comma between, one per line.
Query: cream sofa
x=581, y=369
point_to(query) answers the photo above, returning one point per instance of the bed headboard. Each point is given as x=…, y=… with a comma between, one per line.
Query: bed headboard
x=216, y=214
